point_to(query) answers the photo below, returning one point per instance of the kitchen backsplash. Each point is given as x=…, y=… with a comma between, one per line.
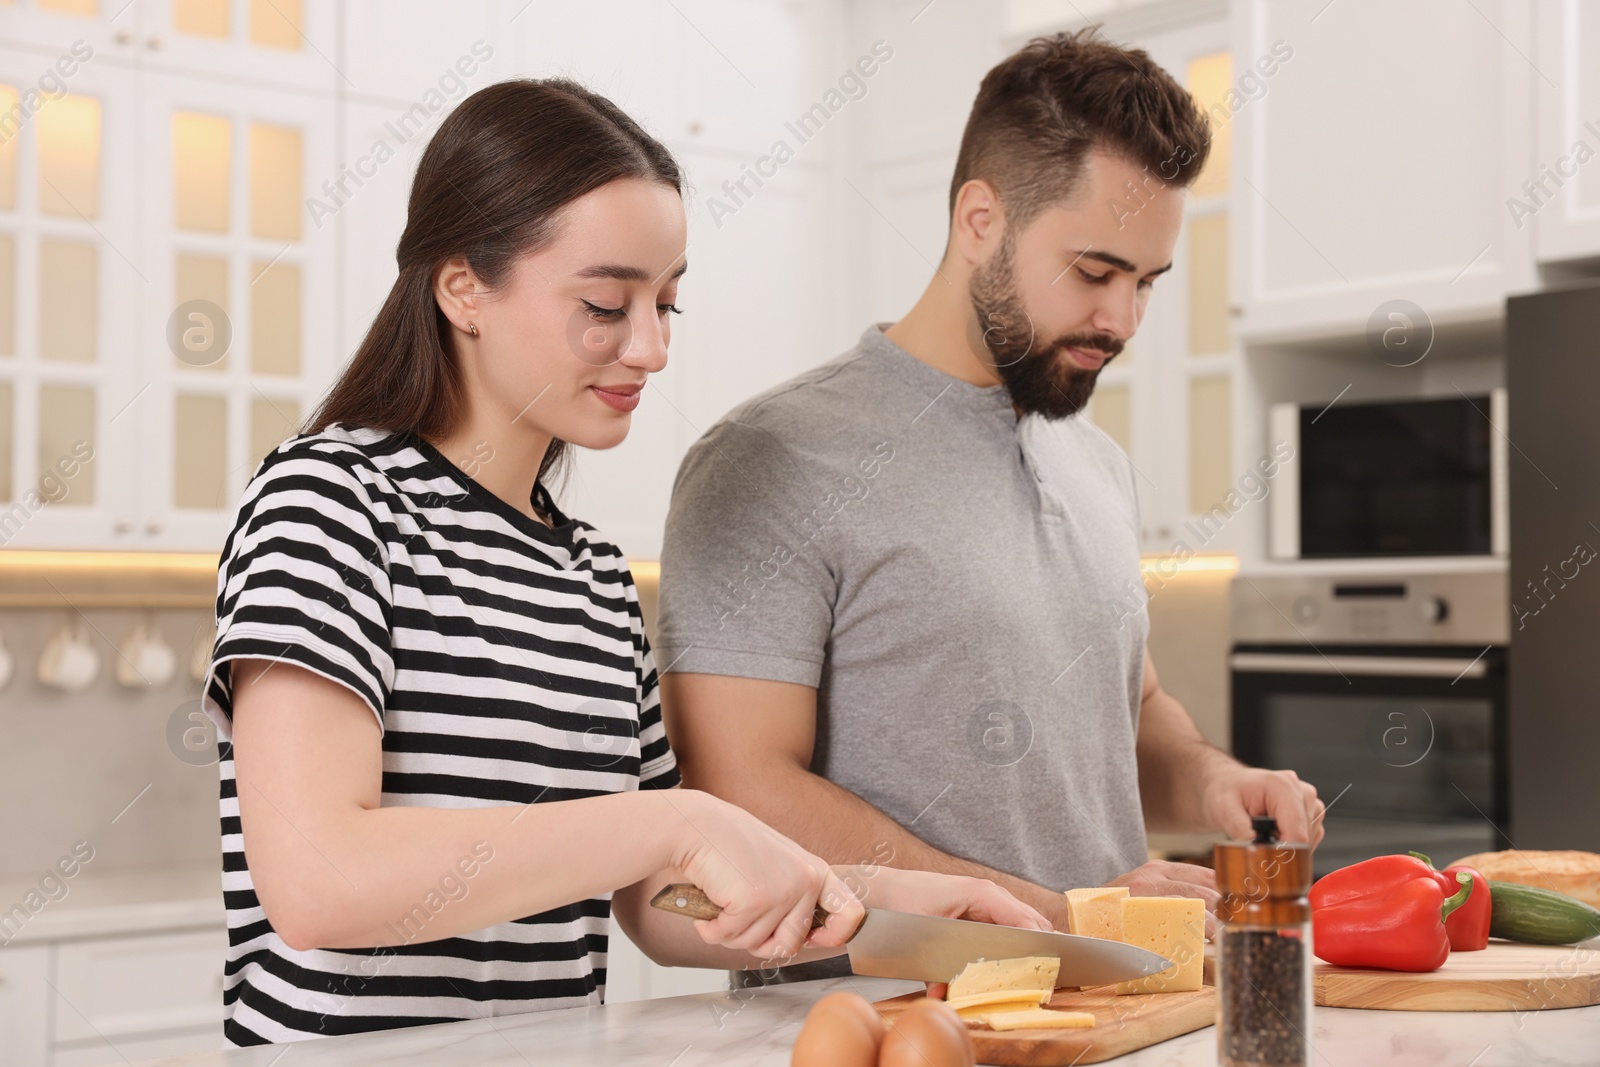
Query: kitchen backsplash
x=107, y=764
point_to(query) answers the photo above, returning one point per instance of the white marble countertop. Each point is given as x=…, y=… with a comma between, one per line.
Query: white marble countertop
x=113, y=903
x=757, y=1028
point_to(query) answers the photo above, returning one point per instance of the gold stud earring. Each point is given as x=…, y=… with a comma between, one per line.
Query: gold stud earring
x=472, y=327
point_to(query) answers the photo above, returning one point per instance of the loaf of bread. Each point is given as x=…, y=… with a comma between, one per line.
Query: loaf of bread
x=1577, y=874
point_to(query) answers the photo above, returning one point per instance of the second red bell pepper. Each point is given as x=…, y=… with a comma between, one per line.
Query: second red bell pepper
x=1468, y=925
x=1388, y=912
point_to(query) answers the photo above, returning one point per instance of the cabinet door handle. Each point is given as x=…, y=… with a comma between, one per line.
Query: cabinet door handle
x=124, y=37
x=155, y=44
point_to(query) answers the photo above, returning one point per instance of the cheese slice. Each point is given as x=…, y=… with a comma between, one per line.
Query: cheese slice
x=993, y=976
x=1014, y=997
x=1038, y=1019
x=1096, y=912
x=1176, y=928
x=977, y=1012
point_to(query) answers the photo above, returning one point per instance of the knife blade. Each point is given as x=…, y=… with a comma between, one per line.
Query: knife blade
x=926, y=948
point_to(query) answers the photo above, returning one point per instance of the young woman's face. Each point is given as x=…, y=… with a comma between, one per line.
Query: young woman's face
x=566, y=346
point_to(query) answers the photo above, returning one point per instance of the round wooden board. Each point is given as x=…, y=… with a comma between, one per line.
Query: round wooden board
x=1503, y=977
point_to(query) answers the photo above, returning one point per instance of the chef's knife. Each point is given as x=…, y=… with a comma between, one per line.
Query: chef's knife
x=924, y=948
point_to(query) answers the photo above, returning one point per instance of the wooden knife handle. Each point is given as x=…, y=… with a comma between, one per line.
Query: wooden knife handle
x=692, y=902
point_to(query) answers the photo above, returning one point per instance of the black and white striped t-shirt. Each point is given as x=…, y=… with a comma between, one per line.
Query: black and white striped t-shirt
x=506, y=663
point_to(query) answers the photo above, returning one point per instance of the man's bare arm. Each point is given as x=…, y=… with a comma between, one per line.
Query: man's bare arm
x=750, y=742
x=1188, y=784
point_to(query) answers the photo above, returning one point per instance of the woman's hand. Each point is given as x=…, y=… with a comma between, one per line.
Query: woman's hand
x=946, y=895
x=767, y=886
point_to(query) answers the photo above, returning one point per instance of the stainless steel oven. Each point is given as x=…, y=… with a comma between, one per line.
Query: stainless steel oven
x=1387, y=692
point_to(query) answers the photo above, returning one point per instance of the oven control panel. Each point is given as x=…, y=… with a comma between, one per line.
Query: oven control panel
x=1460, y=607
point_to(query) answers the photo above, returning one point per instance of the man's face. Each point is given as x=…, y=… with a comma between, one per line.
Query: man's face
x=1057, y=301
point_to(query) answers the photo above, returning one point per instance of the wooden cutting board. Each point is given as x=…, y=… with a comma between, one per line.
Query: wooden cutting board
x=1503, y=977
x=1122, y=1025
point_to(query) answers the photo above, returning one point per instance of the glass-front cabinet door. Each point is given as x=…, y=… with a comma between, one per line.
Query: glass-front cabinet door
x=72, y=278
x=106, y=26
x=242, y=293
x=161, y=276
x=289, y=43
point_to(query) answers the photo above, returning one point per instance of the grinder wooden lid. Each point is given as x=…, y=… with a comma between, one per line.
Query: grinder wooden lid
x=1265, y=880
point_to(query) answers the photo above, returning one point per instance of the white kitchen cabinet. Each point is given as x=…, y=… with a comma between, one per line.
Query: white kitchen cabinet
x=1376, y=163
x=388, y=55
x=235, y=169
x=282, y=43
x=51, y=25
x=1560, y=203
x=72, y=281
x=111, y=1000
x=140, y=190
x=132, y=987
x=25, y=1006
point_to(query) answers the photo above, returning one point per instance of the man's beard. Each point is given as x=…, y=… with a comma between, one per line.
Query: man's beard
x=1040, y=378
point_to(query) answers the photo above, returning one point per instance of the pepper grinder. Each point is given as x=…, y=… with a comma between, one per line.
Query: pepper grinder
x=1264, y=961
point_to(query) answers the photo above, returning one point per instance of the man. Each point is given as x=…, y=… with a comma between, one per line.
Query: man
x=895, y=597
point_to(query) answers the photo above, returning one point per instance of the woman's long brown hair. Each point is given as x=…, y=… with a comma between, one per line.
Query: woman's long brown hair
x=488, y=188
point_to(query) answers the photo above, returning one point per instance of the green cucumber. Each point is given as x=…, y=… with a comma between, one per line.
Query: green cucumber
x=1539, y=916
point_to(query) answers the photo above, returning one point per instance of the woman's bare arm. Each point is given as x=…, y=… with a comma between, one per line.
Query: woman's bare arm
x=334, y=869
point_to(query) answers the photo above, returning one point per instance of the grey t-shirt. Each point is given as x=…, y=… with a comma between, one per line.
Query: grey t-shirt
x=961, y=587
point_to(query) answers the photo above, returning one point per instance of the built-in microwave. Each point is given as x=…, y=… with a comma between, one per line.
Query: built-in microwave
x=1391, y=478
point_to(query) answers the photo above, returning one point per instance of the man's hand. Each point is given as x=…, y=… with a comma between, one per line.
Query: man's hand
x=946, y=895
x=1237, y=794
x=1159, y=878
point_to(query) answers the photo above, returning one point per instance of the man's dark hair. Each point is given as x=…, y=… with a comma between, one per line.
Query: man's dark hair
x=1041, y=110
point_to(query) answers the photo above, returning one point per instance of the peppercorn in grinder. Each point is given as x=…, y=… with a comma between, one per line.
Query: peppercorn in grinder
x=1263, y=951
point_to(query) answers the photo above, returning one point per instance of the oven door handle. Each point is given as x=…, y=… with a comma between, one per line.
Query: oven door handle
x=1383, y=666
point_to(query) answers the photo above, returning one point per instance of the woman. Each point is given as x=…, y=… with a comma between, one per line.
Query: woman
x=447, y=765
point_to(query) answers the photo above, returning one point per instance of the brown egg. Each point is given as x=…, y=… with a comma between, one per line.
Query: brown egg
x=927, y=1034
x=842, y=1030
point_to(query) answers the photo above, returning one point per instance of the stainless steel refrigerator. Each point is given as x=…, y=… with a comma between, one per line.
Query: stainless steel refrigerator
x=1553, y=378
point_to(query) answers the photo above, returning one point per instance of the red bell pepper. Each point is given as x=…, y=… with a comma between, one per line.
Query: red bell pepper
x=1375, y=876
x=1468, y=925
x=1388, y=912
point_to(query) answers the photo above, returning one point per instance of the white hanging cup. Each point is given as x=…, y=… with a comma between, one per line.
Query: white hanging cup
x=8, y=664
x=205, y=636
x=68, y=661
x=146, y=660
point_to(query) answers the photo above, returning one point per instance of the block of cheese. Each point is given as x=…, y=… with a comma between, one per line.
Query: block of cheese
x=1176, y=928
x=1096, y=912
x=993, y=976
x=1038, y=1019
x=1031, y=998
